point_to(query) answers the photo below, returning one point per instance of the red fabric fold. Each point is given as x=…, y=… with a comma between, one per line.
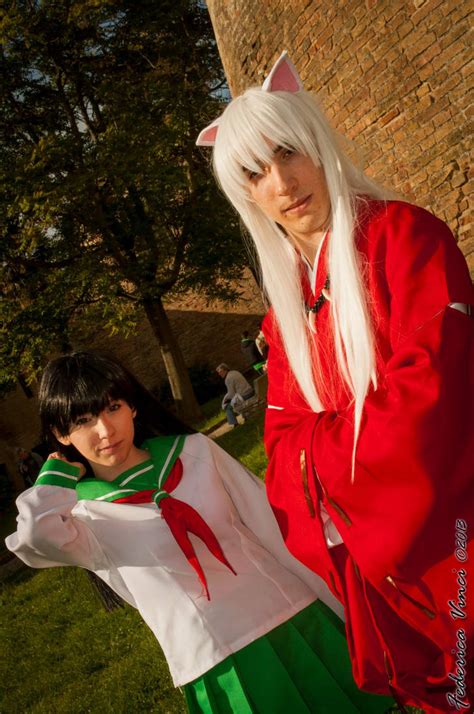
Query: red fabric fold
x=183, y=519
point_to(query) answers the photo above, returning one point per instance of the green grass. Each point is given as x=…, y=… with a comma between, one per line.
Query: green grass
x=245, y=443
x=61, y=652
x=212, y=415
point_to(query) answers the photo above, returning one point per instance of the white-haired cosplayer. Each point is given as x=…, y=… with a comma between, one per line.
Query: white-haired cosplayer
x=371, y=345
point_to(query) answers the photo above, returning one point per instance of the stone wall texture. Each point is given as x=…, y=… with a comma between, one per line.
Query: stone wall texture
x=393, y=76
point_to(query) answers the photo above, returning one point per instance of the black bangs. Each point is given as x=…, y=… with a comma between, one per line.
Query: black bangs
x=78, y=384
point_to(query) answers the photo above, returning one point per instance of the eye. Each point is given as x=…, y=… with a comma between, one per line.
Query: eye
x=250, y=175
x=85, y=419
x=286, y=153
x=114, y=406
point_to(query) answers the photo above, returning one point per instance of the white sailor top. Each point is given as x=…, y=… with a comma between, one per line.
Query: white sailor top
x=131, y=547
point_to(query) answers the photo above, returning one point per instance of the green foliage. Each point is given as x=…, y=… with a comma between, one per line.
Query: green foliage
x=106, y=202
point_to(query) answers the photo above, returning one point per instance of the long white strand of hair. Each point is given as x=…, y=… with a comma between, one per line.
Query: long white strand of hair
x=294, y=121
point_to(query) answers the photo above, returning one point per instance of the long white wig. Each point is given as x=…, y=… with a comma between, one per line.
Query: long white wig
x=294, y=121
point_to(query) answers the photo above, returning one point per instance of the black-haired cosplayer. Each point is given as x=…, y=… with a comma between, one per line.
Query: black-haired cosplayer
x=182, y=532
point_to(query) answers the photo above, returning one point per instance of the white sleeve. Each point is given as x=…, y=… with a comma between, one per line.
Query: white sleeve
x=249, y=497
x=48, y=535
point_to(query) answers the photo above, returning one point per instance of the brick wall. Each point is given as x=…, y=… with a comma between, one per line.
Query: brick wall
x=206, y=333
x=392, y=75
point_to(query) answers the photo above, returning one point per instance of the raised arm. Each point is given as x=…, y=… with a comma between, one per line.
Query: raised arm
x=47, y=532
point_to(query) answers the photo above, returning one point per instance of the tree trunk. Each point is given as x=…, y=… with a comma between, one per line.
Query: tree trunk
x=187, y=407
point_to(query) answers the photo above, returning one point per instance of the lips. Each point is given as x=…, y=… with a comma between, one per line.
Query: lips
x=300, y=203
x=110, y=449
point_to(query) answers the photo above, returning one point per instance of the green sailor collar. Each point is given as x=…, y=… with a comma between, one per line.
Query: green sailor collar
x=56, y=472
x=150, y=474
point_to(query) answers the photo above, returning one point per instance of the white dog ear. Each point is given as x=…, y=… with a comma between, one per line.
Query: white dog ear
x=207, y=136
x=283, y=76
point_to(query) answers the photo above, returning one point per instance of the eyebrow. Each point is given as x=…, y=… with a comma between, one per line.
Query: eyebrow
x=261, y=165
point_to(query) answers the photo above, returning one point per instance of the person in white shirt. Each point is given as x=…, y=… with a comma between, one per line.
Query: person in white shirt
x=184, y=533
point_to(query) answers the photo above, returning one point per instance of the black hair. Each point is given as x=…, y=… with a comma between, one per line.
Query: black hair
x=85, y=383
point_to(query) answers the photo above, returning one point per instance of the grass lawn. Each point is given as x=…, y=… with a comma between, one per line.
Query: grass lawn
x=61, y=653
x=213, y=414
x=245, y=443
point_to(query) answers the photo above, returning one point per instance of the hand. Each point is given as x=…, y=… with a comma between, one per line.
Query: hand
x=61, y=457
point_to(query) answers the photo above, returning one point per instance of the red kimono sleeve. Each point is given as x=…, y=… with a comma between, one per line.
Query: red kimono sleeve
x=414, y=458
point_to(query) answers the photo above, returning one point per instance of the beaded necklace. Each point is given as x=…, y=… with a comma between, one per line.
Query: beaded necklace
x=320, y=300
x=322, y=297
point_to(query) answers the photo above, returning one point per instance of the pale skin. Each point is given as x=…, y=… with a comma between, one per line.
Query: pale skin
x=105, y=440
x=292, y=191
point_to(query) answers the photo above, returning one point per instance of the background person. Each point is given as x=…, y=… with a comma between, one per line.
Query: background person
x=249, y=349
x=369, y=425
x=261, y=343
x=238, y=391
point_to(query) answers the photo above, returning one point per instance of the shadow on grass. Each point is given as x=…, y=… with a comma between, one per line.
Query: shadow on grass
x=22, y=575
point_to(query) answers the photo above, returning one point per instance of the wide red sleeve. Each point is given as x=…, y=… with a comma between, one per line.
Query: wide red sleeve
x=414, y=459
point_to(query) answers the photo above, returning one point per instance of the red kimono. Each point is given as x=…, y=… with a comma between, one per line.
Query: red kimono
x=408, y=519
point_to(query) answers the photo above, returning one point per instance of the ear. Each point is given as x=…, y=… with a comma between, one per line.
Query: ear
x=134, y=412
x=207, y=137
x=283, y=76
x=64, y=440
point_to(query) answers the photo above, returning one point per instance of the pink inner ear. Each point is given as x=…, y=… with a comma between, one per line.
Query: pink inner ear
x=207, y=137
x=284, y=80
x=211, y=133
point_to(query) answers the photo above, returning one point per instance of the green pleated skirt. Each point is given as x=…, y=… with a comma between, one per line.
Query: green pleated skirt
x=300, y=667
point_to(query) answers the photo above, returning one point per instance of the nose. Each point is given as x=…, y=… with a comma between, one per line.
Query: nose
x=283, y=179
x=104, y=426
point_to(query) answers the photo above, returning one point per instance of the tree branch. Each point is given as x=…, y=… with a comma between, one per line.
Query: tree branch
x=69, y=110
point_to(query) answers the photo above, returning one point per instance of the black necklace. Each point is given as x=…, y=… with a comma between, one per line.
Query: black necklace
x=320, y=300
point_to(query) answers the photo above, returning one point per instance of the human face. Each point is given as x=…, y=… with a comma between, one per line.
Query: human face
x=292, y=191
x=106, y=440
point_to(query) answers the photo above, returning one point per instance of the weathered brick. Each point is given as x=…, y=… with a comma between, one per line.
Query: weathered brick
x=426, y=72
x=427, y=12
x=458, y=11
x=419, y=41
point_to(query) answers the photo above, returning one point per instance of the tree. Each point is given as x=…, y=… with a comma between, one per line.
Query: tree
x=108, y=205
